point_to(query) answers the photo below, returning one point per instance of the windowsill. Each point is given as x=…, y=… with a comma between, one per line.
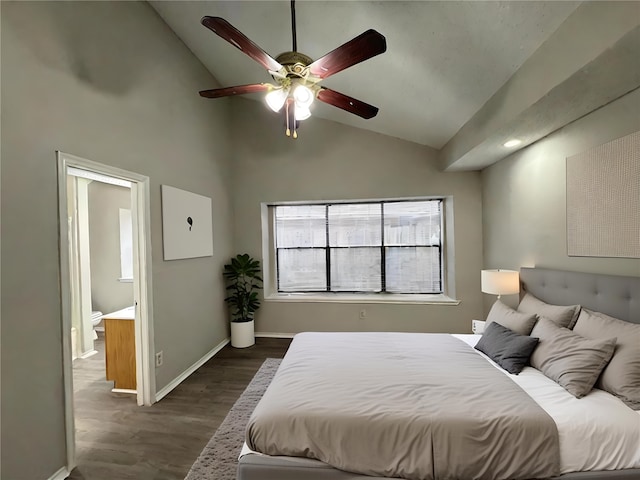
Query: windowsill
x=125, y=280
x=439, y=299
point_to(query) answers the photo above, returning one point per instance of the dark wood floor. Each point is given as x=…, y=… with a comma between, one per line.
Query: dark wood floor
x=117, y=440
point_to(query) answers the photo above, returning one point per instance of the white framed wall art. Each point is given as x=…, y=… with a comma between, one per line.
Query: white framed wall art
x=187, y=227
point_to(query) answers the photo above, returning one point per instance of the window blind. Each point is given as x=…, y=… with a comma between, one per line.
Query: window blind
x=381, y=246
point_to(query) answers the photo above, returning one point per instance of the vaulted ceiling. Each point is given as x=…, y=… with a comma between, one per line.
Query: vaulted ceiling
x=461, y=77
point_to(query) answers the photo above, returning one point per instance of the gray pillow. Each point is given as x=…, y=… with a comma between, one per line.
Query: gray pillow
x=621, y=377
x=507, y=348
x=572, y=361
x=506, y=316
x=564, y=316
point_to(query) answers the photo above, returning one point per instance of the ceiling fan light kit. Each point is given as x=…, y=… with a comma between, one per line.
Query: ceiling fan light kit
x=296, y=75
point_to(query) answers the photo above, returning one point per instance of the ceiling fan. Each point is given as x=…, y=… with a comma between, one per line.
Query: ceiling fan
x=296, y=75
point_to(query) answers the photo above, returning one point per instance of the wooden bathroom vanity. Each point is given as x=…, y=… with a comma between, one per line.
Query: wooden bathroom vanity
x=120, y=349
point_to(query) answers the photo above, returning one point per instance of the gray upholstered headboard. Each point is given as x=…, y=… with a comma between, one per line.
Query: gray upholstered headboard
x=613, y=295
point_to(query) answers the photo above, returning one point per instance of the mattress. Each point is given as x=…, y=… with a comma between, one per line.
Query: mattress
x=596, y=433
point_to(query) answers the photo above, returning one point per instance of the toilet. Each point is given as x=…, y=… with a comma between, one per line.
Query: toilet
x=96, y=317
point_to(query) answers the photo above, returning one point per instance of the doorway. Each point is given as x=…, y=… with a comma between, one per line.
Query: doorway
x=140, y=278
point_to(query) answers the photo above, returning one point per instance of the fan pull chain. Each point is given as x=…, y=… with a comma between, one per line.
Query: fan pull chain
x=287, y=131
x=292, y=117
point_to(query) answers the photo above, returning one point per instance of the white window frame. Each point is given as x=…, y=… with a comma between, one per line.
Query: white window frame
x=269, y=262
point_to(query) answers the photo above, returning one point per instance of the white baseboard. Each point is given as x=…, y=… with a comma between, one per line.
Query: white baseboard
x=60, y=474
x=89, y=353
x=180, y=378
x=274, y=335
x=124, y=390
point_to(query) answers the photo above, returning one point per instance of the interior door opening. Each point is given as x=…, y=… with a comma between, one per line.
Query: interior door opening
x=87, y=309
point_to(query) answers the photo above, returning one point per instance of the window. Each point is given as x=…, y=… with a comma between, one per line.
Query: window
x=126, y=246
x=365, y=247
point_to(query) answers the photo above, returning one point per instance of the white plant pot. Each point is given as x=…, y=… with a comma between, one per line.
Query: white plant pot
x=242, y=334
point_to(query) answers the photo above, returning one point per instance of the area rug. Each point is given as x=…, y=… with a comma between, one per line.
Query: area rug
x=219, y=458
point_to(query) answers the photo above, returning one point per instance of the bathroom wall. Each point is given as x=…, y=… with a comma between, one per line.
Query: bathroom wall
x=108, y=293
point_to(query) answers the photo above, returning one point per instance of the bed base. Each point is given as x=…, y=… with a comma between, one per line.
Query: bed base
x=260, y=467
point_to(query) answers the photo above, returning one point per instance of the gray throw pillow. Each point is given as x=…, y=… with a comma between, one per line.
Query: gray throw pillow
x=506, y=316
x=621, y=377
x=572, y=361
x=507, y=348
x=562, y=315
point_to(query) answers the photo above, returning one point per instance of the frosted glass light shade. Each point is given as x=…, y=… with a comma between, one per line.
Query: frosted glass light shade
x=500, y=282
x=303, y=96
x=276, y=98
x=302, y=113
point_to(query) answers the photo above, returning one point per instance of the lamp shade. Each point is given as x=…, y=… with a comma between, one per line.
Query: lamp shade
x=500, y=282
x=276, y=98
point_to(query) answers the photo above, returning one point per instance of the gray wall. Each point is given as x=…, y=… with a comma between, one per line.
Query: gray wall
x=330, y=161
x=524, y=197
x=108, y=294
x=107, y=81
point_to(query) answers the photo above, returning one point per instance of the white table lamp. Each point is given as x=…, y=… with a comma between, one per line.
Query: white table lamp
x=500, y=282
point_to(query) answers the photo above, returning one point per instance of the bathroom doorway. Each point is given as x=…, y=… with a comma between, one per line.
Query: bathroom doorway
x=77, y=177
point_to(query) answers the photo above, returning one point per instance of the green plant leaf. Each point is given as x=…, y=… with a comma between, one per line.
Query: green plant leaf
x=243, y=284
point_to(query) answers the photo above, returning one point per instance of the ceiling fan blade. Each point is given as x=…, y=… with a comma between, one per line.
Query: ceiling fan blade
x=347, y=103
x=235, y=37
x=363, y=47
x=237, y=90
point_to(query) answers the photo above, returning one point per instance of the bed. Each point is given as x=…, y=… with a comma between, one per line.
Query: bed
x=495, y=424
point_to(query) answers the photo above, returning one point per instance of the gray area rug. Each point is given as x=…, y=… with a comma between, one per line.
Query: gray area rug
x=219, y=459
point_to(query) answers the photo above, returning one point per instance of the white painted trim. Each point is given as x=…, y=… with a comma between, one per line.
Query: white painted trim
x=274, y=335
x=142, y=291
x=83, y=260
x=88, y=354
x=389, y=298
x=180, y=378
x=145, y=370
x=124, y=390
x=77, y=172
x=60, y=474
x=65, y=311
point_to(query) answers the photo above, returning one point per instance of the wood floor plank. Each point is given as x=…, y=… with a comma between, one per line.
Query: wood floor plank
x=116, y=439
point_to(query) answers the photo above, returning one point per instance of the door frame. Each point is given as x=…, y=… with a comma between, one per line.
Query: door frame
x=142, y=289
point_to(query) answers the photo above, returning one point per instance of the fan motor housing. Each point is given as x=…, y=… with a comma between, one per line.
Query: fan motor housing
x=294, y=62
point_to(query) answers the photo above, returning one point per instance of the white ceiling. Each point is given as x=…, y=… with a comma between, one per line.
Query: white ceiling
x=444, y=61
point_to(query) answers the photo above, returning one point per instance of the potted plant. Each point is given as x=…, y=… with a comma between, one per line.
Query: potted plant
x=243, y=283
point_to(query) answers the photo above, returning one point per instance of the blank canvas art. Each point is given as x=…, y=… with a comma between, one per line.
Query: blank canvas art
x=187, y=228
x=603, y=200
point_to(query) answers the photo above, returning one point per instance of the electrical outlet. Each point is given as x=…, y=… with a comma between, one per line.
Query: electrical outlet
x=363, y=313
x=477, y=326
x=159, y=359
